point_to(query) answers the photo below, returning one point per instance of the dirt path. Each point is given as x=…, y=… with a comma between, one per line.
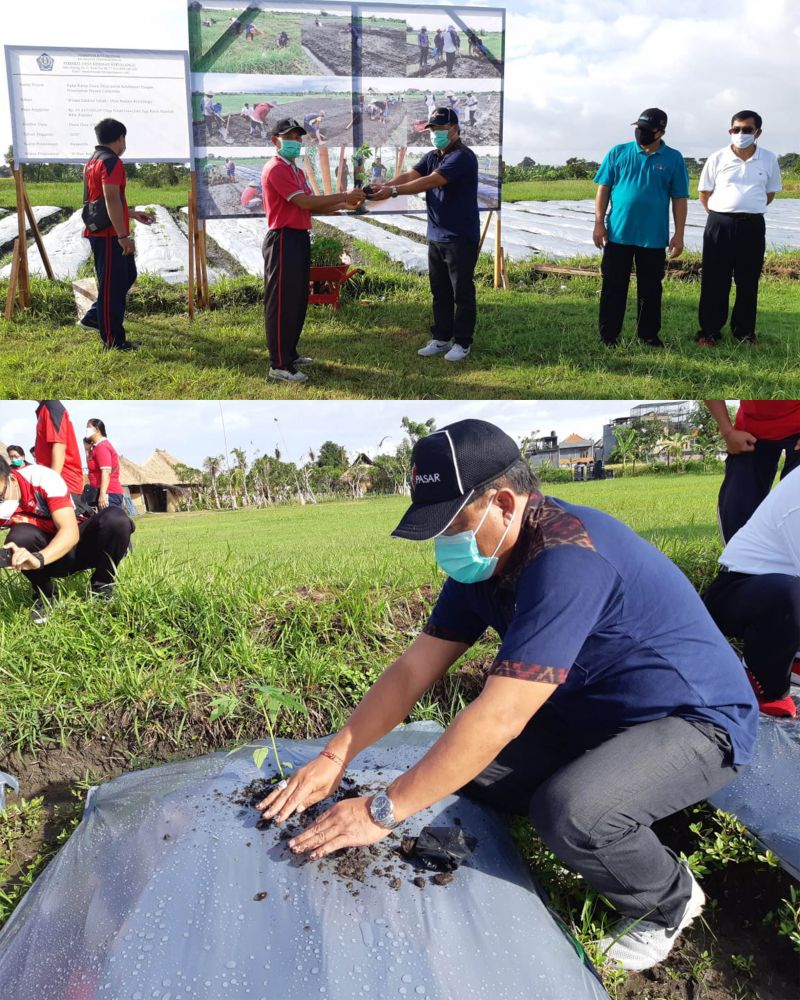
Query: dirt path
x=466, y=67
x=485, y=131
x=383, y=50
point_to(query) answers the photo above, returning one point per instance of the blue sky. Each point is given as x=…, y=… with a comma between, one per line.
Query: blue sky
x=578, y=72
x=192, y=430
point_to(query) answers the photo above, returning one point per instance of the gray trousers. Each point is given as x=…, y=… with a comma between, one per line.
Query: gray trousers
x=592, y=801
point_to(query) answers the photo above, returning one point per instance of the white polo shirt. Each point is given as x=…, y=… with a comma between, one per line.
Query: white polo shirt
x=740, y=185
x=770, y=541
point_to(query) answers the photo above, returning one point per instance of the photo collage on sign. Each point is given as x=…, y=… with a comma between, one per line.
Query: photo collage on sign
x=363, y=88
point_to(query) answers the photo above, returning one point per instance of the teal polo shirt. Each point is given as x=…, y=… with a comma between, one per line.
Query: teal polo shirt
x=642, y=185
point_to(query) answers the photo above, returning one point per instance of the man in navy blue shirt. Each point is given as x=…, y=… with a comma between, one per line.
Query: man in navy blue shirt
x=449, y=177
x=613, y=701
x=638, y=180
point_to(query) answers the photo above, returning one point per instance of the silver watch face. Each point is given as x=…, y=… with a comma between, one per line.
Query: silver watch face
x=381, y=810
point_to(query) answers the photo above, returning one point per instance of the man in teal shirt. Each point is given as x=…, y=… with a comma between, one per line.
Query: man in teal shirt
x=637, y=181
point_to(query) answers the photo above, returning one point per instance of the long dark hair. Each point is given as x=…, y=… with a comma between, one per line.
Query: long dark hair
x=98, y=425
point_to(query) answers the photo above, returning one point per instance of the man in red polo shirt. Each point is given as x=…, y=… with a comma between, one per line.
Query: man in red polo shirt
x=56, y=444
x=764, y=429
x=288, y=204
x=112, y=245
x=46, y=542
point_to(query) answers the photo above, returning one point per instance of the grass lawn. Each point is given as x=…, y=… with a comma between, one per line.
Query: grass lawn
x=215, y=48
x=315, y=599
x=575, y=190
x=539, y=341
x=70, y=194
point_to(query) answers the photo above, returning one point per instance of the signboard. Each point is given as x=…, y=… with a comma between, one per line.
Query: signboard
x=58, y=95
x=361, y=78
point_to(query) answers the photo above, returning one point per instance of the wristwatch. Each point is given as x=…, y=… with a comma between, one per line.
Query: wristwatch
x=39, y=556
x=382, y=811
x=394, y=190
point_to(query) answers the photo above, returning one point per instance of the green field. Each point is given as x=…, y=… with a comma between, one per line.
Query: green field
x=237, y=55
x=316, y=599
x=232, y=103
x=538, y=341
x=575, y=190
x=493, y=40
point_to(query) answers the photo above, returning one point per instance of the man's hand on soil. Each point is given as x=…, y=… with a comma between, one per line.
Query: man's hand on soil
x=347, y=824
x=307, y=786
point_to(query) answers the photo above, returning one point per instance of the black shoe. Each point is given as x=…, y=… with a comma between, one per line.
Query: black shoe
x=705, y=341
x=128, y=345
x=86, y=326
x=751, y=339
x=651, y=341
x=610, y=343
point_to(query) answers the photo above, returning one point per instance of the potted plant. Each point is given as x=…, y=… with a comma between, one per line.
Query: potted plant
x=328, y=272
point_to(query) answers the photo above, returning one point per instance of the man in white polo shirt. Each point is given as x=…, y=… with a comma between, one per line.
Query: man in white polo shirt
x=756, y=596
x=736, y=185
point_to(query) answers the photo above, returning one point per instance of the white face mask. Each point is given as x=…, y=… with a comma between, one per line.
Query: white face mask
x=742, y=141
x=7, y=508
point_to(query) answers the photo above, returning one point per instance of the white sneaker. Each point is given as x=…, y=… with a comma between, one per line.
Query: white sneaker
x=287, y=375
x=646, y=944
x=434, y=347
x=457, y=353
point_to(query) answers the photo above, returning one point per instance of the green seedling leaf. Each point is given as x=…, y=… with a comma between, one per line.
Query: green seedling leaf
x=260, y=755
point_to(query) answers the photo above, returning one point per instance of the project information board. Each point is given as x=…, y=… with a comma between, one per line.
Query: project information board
x=361, y=78
x=58, y=95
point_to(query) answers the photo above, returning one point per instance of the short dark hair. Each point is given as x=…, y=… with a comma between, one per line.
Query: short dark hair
x=740, y=116
x=520, y=478
x=98, y=424
x=16, y=448
x=109, y=130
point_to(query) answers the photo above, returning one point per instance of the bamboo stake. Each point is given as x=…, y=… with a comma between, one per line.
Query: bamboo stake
x=24, y=287
x=489, y=215
x=309, y=170
x=12, y=283
x=497, y=251
x=37, y=235
x=341, y=186
x=191, y=292
x=204, y=263
x=325, y=169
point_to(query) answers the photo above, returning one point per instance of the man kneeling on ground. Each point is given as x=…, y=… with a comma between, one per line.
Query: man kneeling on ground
x=756, y=596
x=614, y=700
x=46, y=541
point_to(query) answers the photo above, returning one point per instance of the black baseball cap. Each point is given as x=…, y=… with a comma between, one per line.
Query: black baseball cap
x=446, y=469
x=287, y=125
x=442, y=117
x=653, y=118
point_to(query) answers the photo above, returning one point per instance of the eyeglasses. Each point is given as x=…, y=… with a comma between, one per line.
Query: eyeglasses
x=744, y=129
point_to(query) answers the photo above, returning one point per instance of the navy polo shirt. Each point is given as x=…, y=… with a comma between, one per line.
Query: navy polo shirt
x=452, y=208
x=642, y=185
x=588, y=604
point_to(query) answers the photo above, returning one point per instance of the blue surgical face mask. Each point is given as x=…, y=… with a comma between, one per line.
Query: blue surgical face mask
x=440, y=139
x=290, y=148
x=459, y=556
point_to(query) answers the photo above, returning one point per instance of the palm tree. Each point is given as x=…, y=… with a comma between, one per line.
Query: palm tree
x=212, y=465
x=241, y=463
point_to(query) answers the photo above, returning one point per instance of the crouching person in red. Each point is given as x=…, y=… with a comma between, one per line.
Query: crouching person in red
x=289, y=203
x=46, y=541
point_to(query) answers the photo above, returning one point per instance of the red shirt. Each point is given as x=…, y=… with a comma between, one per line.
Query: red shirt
x=770, y=419
x=260, y=112
x=53, y=426
x=104, y=456
x=280, y=180
x=109, y=171
x=42, y=492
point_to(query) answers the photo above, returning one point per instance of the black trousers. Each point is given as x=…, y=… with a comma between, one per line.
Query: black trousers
x=104, y=540
x=287, y=263
x=594, y=797
x=451, y=271
x=764, y=612
x=450, y=61
x=733, y=250
x=116, y=275
x=748, y=479
x=423, y=55
x=616, y=266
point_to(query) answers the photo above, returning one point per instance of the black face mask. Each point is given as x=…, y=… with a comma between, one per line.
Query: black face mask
x=645, y=136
